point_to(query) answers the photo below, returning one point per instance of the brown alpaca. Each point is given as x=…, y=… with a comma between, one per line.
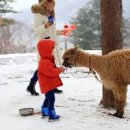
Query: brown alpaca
x=113, y=69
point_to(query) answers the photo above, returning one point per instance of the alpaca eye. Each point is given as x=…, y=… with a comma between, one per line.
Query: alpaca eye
x=73, y=51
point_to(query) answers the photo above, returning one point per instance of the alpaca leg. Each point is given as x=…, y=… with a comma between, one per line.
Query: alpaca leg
x=119, y=108
x=120, y=101
x=116, y=102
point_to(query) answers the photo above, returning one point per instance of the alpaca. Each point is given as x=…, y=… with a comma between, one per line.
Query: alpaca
x=113, y=69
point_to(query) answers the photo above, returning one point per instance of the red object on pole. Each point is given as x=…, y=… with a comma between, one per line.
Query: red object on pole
x=68, y=29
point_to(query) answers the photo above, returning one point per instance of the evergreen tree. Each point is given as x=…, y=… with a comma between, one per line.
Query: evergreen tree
x=5, y=6
x=87, y=34
x=126, y=33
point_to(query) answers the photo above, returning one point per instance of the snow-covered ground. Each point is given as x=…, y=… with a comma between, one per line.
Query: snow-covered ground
x=78, y=105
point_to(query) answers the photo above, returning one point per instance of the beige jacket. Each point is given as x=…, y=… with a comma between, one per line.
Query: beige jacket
x=41, y=32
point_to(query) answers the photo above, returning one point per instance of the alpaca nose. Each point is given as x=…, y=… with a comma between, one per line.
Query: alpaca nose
x=65, y=63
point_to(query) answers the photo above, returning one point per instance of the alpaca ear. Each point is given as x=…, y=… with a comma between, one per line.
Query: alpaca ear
x=76, y=47
x=74, y=50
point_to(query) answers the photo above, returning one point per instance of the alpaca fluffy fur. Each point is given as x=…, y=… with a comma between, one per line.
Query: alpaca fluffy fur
x=113, y=69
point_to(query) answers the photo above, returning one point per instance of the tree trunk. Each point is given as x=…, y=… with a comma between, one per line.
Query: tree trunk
x=111, y=36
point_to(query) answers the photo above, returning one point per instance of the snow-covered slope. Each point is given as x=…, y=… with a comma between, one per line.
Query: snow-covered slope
x=78, y=105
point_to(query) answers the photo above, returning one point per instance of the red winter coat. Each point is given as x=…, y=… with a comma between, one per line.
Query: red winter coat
x=48, y=73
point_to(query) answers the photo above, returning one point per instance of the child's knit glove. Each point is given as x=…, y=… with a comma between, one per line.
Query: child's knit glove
x=62, y=69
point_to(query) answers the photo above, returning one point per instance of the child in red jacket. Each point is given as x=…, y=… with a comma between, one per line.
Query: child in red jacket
x=48, y=75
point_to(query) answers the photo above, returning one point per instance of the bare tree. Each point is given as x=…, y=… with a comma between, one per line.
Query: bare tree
x=111, y=36
x=16, y=38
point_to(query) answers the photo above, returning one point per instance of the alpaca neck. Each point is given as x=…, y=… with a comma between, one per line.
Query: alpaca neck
x=96, y=63
x=88, y=60
x=83, y=59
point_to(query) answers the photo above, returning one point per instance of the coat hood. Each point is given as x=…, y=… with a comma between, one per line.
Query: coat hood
x=45, y=48
x=37, y=8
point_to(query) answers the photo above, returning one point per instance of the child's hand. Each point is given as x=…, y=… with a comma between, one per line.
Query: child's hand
x=62, y=69
x=60, y=32
x=64, y=32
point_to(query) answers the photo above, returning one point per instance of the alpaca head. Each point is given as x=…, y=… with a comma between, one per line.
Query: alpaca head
x=69, y=57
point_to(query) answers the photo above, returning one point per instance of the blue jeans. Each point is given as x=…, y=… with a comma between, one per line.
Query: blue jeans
x=49, y=100
x=34, y=79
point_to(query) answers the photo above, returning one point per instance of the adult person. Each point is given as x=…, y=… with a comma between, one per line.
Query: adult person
x=44, y=28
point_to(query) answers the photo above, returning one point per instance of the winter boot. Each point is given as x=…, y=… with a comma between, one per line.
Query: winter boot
x=52, y=115
x=58, y=91
x=44, y=111
x=31, y=88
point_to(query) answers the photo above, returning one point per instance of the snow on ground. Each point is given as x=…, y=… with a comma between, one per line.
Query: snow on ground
x=78, y=105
